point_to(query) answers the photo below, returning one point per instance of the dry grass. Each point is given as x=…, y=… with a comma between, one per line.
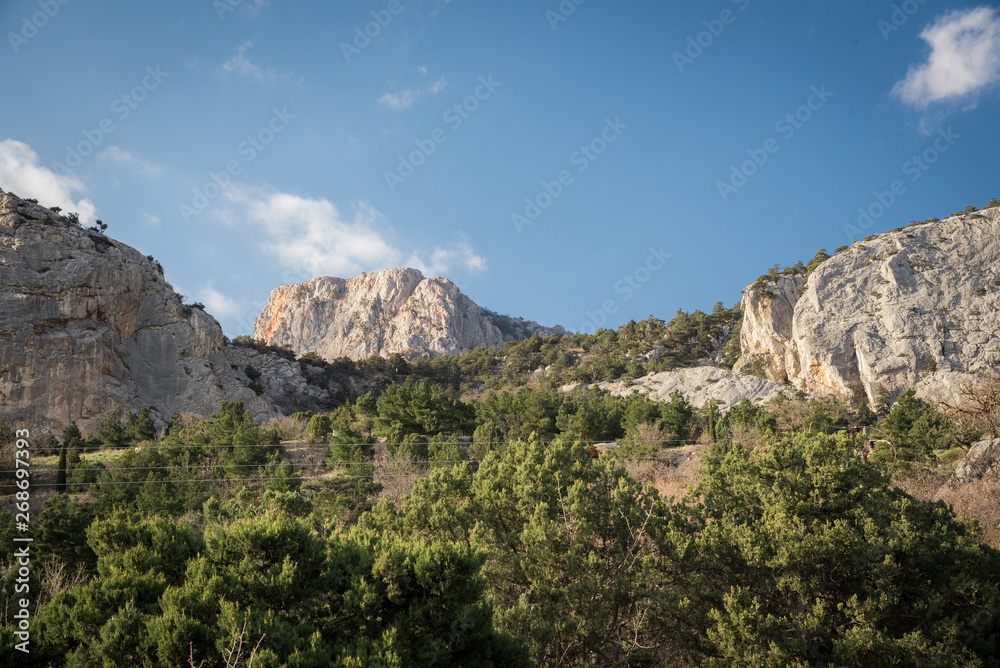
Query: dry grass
x=978, y=500
x=671, y=472
x=288, y=428
x=397, y=478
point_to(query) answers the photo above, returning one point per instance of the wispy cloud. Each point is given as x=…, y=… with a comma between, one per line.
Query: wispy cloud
x=118, y=156
x=218, y=304
x=311, y=237
x=243, y=67
x=964, y=58
x=23, y=174
x=443, y=259
x=408, y=97
x=151, y=219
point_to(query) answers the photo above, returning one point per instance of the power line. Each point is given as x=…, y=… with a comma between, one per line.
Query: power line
x=327, y=445
x=392, y=462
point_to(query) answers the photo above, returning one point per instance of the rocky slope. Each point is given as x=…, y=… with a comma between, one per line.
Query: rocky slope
x=699, y=385
x=381, y=313
x=918, y=307
x=88, y=325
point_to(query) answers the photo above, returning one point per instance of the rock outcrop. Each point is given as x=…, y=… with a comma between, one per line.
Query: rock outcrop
x=916, y=307
x=982, y=461
x=382, y=313
x=700, y=385
x=88, y=325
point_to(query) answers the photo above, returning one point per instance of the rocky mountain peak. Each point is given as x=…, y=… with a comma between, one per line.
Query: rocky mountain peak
x=382, y=313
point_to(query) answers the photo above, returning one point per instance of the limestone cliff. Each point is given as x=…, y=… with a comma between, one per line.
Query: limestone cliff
x=88, y=325
x=700, y=385
x=915, y=307
x=381, y=313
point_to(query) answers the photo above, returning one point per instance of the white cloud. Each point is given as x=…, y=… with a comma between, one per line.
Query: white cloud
x=151, y=219
x=22, y=174
x=408, y=97
x=311, y=237
x=964, y=58
x=442, y=259
x=243, y=67
x=126, y=159
x=217, y=303
x=422, y=69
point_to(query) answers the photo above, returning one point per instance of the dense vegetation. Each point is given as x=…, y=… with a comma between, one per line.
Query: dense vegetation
x=207, y=544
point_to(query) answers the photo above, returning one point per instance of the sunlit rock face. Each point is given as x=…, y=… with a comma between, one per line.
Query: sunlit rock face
x=918, y=307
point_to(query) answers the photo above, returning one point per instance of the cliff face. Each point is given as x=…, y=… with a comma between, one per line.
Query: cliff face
x=88, y=325
x=381, y=313
x=919, y=307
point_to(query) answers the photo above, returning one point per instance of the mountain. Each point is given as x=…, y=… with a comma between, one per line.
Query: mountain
x=89, y=325
x=382, y=313
x=918, y=307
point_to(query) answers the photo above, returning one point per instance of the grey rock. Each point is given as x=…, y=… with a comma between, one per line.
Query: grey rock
x=88, y=325
x=382, y=313
x=917, y=307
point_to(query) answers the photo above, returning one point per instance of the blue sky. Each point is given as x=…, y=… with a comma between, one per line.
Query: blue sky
x=579, y=164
